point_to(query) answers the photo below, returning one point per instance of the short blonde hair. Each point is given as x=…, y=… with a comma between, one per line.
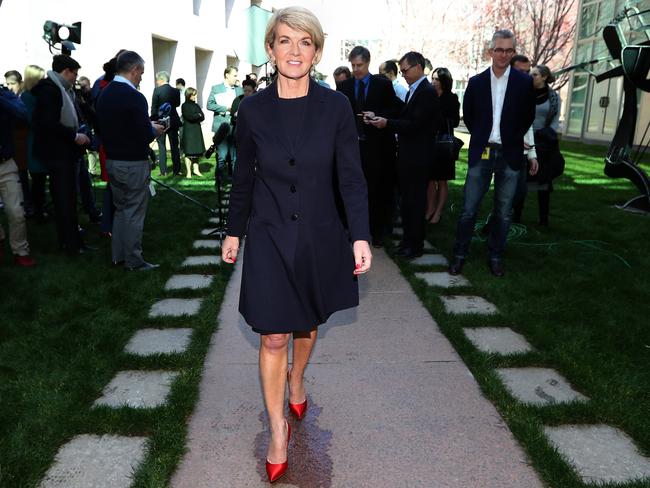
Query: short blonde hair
x=189, y=92
x=298, y=18
x=33, y=74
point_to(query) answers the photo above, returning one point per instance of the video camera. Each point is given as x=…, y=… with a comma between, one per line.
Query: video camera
x=164, y=117
x=218, y=138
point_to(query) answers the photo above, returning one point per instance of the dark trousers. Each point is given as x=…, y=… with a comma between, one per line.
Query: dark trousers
x=85, y=186
x=162, y=151
x=477, y=183
x=413, y=181
x=28, y=203
x=377, y=170
x=63, y=186
x=39, y=181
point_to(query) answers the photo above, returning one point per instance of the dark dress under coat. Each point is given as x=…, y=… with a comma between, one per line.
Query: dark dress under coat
x=192, y=138
x=444, y=169
x=298, y=262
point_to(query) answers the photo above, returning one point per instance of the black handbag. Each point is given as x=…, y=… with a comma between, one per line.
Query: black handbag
x=447, y=146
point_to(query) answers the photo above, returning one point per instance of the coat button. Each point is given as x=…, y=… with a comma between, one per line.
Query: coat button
x=292, y=162
x=294, y=217
x=293, y=188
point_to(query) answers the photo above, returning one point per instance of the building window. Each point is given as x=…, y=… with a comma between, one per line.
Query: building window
x=196, y=7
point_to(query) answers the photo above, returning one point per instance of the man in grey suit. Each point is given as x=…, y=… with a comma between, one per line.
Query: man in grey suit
x=219, y=102
x=165, y=93
x=126, y=132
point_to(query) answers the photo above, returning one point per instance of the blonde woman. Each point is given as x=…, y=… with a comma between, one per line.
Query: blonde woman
x=283, y=200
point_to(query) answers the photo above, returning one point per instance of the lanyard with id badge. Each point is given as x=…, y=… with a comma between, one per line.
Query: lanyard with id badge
x=486, y=154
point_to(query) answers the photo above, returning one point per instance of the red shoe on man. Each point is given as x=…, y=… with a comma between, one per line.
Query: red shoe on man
x=25, y=261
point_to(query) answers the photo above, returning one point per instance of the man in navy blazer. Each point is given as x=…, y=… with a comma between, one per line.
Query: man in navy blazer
x=498, y=109
x=165, y=93
x=367, y=92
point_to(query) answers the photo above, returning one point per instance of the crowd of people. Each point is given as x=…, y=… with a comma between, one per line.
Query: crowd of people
x=405, y=137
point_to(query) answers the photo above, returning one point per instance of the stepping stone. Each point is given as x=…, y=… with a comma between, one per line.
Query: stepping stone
x=443, y=280
x=499, y=340
x=538, y=386
x=175, y=307
x=159, y=341
x=137, y=389
x=463, y=304
x=106, y=461
x=201, y=261
x=398, y=231
x=599, y=453
x=209, y=232
x=213, y=220
x=428, y=246
x=430, y=260
x=206, y=244
x=191, y=281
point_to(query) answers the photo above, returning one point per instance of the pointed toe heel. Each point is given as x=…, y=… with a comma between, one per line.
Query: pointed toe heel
x=276, y=471
x=298, y=409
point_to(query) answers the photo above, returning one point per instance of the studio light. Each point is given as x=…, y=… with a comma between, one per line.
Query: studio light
x=53, y=32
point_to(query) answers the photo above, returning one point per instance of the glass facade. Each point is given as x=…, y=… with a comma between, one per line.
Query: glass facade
x=594, y=108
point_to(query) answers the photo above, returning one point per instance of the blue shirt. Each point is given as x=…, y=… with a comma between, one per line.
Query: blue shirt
x=366, y=80
x=414, y=87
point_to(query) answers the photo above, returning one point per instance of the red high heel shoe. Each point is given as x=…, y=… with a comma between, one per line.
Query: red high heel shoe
x=298, y=409
x=276, y=471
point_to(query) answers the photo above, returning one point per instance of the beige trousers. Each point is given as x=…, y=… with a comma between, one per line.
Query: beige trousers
x=12, y=196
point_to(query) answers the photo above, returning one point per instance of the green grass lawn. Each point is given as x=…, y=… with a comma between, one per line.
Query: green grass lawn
x=579, y=291
x=63, y=328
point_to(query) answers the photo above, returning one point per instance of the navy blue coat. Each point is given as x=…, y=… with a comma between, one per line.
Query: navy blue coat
x=517, y=115
x=298, y=262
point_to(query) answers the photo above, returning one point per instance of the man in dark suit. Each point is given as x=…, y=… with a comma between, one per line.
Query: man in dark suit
x=372, y=93
x=165, y=93
x=498, y=109
x=59, y=144
x=415, y=128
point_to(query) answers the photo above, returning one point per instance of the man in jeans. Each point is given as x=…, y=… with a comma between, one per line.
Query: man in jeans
x=498, y=109
x=12, y=109
x=126, y=131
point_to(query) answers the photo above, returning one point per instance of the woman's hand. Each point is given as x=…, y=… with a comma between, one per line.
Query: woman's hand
x=362, y=257
x=229, y=249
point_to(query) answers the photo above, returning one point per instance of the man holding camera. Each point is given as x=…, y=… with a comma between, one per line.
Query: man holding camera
x=12, y=110
x=126, y=131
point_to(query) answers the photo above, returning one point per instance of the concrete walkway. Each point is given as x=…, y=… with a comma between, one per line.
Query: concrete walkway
x=391, y=405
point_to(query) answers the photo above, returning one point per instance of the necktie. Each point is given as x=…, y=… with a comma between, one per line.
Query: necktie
x=408, y=95
x=361, y=96
x=361, y=101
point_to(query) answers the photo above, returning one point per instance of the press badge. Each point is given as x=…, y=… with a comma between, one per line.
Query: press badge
x=486, y=153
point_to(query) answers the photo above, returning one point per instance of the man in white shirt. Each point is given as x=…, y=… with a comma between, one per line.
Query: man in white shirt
x=498, y=109
x=389, y=70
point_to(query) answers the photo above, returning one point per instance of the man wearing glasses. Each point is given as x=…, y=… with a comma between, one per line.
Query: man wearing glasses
x=415, y=129
x=498, y=109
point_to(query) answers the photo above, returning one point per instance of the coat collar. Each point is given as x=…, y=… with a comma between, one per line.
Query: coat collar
x=315, y=96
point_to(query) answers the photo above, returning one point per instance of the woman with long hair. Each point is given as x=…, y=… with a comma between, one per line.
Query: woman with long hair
x=444, y=166
x=299, y=266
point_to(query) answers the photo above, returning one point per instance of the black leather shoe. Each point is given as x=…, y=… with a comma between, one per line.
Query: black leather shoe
x=496, y=267
x=456, y=266
x=409, y=253
x=145, y=266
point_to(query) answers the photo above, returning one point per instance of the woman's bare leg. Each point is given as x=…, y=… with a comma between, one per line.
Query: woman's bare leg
x=431, y=199
x=443, y=192
x=303, y=344
x=273, y=375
